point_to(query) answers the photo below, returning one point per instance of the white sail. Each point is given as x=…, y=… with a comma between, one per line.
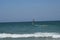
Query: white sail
x=33, y=21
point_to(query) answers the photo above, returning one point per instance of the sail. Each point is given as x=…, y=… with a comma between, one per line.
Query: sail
x=33, y=21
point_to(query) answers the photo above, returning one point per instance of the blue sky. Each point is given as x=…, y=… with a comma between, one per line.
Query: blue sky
x=26, y=10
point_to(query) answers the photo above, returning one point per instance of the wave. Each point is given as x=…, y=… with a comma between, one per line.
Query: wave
x=41, y=25
x=38, y=34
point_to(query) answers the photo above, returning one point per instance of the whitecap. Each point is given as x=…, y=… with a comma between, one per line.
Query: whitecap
x=38, y=34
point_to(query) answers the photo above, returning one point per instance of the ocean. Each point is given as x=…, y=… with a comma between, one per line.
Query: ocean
x=41, y=30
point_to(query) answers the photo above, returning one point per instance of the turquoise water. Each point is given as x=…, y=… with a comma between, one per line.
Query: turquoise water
x=44, y=30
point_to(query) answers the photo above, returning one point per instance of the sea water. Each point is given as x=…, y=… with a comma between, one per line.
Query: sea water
x=43, y=30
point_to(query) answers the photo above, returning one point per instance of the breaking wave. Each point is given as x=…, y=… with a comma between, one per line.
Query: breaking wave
x=38, y=34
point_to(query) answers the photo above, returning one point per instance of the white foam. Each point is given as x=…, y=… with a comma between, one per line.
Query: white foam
x=39, y=34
